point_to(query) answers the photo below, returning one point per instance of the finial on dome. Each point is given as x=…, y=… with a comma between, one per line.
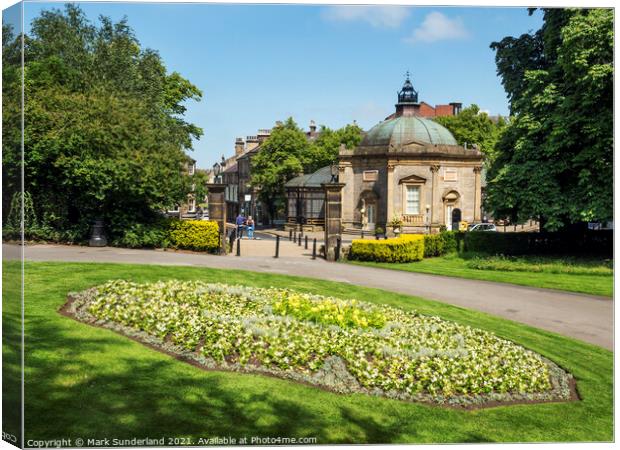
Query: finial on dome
x=407, y=94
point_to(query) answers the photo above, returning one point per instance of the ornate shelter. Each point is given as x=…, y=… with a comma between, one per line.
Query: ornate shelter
x=410, y=168
x=407, y=168
x=306, y=199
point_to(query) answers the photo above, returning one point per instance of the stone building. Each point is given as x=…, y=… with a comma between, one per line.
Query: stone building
x=187, y=209
x=235, y=173
x=410, y=168
x=407, y=168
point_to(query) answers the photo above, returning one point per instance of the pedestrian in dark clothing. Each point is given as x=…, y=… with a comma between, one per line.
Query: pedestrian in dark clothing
x=240, y=221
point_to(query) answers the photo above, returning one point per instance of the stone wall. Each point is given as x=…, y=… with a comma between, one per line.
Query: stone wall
x=455, y=180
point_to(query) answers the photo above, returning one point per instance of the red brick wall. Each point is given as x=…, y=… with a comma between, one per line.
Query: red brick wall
x=444, y=110
x=426, y=110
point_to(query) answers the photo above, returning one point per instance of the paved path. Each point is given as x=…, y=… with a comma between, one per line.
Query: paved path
x=584, y=317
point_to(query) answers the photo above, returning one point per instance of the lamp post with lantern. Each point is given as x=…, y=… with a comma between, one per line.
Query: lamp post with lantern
x=217, y=204
x=217, y=169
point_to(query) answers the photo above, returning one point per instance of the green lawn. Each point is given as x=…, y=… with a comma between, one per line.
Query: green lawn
x=586, y=276
x=83, y=381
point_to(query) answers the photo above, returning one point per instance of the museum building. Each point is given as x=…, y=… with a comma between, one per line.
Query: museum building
x=407, y=168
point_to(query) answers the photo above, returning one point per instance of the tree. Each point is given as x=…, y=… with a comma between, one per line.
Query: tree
x=288, y=153
x=324, y=149
x=474, y=127
x=280, y=158
x=104, y=129
x=555, y=161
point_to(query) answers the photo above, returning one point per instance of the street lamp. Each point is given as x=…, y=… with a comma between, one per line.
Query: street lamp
x=216, y=171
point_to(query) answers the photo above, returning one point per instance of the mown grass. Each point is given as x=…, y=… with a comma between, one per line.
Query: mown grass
x=588, y=276
x=83, y=381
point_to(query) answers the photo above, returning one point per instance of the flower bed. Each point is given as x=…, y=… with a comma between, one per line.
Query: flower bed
x=343, y=345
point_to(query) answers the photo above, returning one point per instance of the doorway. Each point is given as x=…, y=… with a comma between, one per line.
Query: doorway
x=371, y=212
x=456, y=218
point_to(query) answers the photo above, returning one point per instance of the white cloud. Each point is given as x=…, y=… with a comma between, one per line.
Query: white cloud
x=377, y=16
x=437, y=27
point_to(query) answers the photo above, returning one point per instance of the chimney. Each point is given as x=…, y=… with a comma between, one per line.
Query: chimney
x=263, y=134
x=312, y=128
x=456, y=108
x=239, y=146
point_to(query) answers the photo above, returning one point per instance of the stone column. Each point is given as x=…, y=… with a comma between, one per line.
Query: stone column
x=345, y=176
x=333, y=217
x=217, y=210
x=477, y=194
x=389, y=200
x=435, y=201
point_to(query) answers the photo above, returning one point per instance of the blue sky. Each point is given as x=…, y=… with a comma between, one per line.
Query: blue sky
x=334, y=64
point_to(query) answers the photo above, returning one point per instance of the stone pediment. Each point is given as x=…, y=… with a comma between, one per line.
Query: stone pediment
x=414, y=144
x=410, y=147
x=412, y=179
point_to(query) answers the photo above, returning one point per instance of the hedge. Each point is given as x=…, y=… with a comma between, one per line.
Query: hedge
x=598, y=243
x=441, y=243
x=403, y=249
x=200, y=235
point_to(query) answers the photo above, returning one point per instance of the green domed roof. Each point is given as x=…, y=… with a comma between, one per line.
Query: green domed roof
x=403, y=129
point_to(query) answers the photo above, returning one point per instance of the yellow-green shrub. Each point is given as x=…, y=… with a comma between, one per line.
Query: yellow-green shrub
x=403, y=249
x=200, y=235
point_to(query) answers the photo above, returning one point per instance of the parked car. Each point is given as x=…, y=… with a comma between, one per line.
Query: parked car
x=483, y=227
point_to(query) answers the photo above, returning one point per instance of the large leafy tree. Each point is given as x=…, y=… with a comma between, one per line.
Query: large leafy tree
x=288, y=153
x=555, y=161
x=280, y=158
x=472, y=126
x=104, y=129
x=324, y=149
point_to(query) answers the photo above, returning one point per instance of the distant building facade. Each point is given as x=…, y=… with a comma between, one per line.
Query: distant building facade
x=236, y=174
x=188, y=208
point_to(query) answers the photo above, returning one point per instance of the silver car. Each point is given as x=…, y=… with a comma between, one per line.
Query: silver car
x=483, y=227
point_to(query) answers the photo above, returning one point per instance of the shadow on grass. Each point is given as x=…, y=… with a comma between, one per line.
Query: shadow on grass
x=157, y=397
x=83, y=381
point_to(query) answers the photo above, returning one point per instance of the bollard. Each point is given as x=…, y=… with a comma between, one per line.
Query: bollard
x=231, y=241
x=299, y=241
x=238, y=247
x=294, y=237
x=314, y=249
x=306, y=243
x=290, y=235
x=277, y=246
x=337, y=255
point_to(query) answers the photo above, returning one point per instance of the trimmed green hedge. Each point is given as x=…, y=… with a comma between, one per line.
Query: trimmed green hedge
x=403, y=249
x=442, y=243
x=200, y=235
x=560, y=243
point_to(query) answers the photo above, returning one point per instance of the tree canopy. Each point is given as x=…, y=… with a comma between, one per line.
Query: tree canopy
x=104, y=129
x=288, y=152
x=472, y=126
x=555, y=161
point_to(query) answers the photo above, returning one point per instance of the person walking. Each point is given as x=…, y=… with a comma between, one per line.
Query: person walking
x=250, y=227
x=240, y=221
